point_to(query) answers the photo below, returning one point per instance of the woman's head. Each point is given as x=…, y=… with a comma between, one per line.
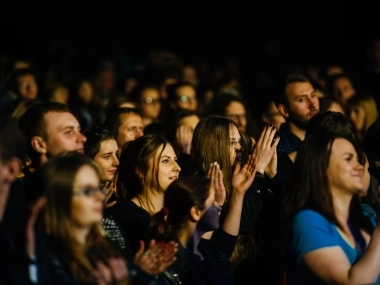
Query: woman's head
x=362, y=111
x=101, y=146
x=148, y=101
x=217, y=139
x=327, y=165
x=71, y=184
x=149, y=162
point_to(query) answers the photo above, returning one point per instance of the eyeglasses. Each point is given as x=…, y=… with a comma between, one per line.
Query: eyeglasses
x=89, y=191
x=150, y=100
x=234, y=143
x=187, y=99
x=24, y=85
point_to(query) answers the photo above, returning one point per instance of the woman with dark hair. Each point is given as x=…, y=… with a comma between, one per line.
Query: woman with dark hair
x=190, y=210
x=326, y=221
x=78, y=252
x=147, y=167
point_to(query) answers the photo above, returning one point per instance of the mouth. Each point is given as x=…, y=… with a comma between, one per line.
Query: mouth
x=80, y=150
x=313, y=113
x=112, y=171
x=173, y=178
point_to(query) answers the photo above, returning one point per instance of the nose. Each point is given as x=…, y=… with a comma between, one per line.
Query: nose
x=177, y=168
x=238, y=146
x=115, y=161
x=138, y=133
x=81, y=138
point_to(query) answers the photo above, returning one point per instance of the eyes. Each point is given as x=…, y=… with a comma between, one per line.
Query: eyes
x=233, y=143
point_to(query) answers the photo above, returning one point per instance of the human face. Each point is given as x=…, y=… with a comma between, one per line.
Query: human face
x=168, y=168
x=235, y=144
x=131, y=128
x=62, y=133
x=187, y=98
x=273, y=116
x=107, y=159
x=209, y=220
x=357, y=117
x=86, y=92
x=86, y=210
x=190, y=121
x=344, y=172
x=150, y=103
x=303, y=103
x=27, y=87
x=236, y=112
x=343, y=90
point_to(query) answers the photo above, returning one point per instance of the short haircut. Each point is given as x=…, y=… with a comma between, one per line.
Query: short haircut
x=113, y=122
x=32, y=123
x=12, y=141
x=280, y=96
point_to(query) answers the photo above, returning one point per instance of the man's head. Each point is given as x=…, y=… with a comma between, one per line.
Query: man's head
x=23, y=83
x=50, y=129
x=125, y=123
x=297, y=101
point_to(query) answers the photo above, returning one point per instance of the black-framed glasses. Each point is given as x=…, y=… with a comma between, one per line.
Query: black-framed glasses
x=89, y=191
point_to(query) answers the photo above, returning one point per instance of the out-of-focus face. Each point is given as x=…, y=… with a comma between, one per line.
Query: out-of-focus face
x=235, y=144
x=150, y=103
x=62, y=133
x=236, y=112
x=131, y=128
x=357, y=117
x=168, y=168
x=190, y=121
x=86, y=91
x=187, y=98
x=344, y=172
x=303, y=103
x=107, y=159
x=343, y=90
x=27, y=87
x=60, y=95
x=273, y=116
x=87, y=200
x=335, y=107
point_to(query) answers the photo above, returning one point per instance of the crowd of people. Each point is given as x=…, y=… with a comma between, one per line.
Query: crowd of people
x=173, y=179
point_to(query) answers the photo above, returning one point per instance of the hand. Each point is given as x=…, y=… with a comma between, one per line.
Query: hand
x=184, y=135
x=265, y=149
x=216, y=181
x=242, y=178
x=115, y=272
x=271, y=170
x=157, y=257
x=110, y=189
x=30, y=224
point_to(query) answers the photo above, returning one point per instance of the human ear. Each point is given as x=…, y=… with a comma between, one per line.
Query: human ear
x=38, y=144
x=195, y=214
x=283, y=110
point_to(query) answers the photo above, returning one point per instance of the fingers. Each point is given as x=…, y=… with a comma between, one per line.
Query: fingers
x=119, y=268
x=110, y=204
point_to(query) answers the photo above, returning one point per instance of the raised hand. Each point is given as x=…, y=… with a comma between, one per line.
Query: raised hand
x=265, y=149
x=184, y=135
x=216, y=181
x=157, y=257
x=115, y=272
x=109, y=187
x=242, y=177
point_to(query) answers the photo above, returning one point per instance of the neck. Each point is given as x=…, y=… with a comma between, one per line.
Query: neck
x=150, y=200
x=341, y=204
x=81, y=235
x=4, y=193
x=190, y=238
x=297, y=131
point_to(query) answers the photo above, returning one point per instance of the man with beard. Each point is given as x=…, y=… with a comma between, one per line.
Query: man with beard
x=297, y=102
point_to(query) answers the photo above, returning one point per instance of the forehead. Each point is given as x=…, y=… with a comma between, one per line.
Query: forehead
x=26, y=77
x=130, y=119
x=59, y=120
x=235, y=107
x=341, y=146
x=150, y=92
x=86, y=175
x=190, y=121
x=298, y=88
x=234, y=132
x=108, y=145
x=186, y=90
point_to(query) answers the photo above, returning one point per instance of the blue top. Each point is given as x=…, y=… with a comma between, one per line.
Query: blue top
x=310, y=231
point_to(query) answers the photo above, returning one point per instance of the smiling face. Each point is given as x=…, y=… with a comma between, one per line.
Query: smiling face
x=86, y=210
x=344, y=172
x=107, y=159
x=62, y=133
x=235, y=144
x=166, y=165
